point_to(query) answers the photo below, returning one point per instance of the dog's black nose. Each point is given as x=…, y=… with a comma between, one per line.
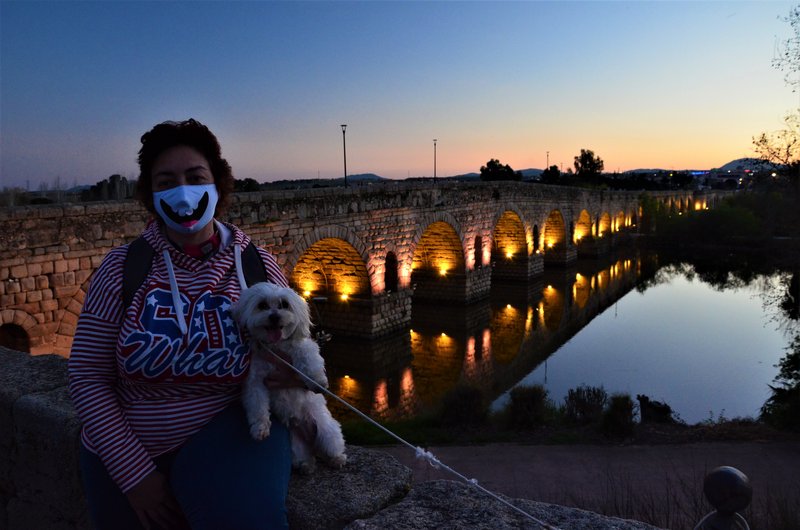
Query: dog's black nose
x=274, y=319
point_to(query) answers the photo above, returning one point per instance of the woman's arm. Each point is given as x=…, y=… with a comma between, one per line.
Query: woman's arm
x=93, y=376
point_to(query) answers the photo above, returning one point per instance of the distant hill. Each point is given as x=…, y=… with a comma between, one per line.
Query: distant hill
x=742, y=164
x=365, y=177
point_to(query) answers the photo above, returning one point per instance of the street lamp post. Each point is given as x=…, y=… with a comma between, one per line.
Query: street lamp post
x=434, y=160
x=344, y=152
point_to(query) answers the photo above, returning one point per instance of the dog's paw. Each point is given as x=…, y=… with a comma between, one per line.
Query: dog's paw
x=305, y=467
x=259, y=430
x=338, y=461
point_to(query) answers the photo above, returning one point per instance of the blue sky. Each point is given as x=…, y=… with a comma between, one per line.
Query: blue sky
x=644, y=84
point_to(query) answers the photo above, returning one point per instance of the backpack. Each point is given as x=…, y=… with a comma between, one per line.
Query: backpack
x=140, y=258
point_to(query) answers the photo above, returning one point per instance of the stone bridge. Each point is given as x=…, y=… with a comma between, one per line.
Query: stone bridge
x=362, y=253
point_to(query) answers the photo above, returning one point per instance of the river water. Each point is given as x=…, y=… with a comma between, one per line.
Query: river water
x=705, y=343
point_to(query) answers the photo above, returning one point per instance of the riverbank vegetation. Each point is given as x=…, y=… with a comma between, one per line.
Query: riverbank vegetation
x=586, y=415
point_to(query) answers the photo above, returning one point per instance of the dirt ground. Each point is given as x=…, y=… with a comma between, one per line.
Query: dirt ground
x=657, y=483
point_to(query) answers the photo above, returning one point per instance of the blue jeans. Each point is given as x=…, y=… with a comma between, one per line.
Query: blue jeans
x=222, y=478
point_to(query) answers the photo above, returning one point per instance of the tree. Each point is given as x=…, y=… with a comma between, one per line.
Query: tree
x=587, y=164
x=495, y=170
x=781, y=150
x=247, y=184
x=789, y=59
x=551, y=175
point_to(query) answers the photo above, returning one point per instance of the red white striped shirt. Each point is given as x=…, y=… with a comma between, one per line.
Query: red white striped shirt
x=141, y=386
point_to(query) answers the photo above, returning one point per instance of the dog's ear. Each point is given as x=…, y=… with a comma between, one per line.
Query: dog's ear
x=299, y=307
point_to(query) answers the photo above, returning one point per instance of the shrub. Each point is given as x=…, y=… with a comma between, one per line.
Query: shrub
x=782, y=409
x=618, y=418
x=464, y=405
x=585, y=404
x=529, y=406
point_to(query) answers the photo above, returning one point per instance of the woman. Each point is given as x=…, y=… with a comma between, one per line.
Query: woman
x=156, y=384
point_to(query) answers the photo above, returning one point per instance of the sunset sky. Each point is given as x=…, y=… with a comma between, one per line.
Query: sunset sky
x=675, y=85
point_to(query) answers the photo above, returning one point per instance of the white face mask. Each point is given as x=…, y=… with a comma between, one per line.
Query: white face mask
x=187, y=209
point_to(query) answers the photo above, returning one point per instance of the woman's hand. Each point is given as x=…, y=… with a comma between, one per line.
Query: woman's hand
x=154, y=504
x=281, y=376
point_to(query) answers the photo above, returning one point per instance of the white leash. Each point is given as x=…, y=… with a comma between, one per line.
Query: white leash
x=419, y=451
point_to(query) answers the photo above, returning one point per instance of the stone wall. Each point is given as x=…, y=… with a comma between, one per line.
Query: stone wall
x=40, y=485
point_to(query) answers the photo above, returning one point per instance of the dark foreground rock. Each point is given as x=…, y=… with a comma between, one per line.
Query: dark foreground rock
x=40, y=486
x=329, y=499
x=445, y=505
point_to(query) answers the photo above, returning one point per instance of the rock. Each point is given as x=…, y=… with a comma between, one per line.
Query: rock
x=330, y=498
x=444, y=504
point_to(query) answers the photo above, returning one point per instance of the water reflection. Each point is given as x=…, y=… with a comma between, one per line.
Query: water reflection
x=490, y=345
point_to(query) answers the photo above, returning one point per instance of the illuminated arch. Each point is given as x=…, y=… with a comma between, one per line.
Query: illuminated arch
x=583, y=228
x=509, y=236
x=439, y=249
x=604, y=226
x=346, y=235
x=620, y=221
x=554, y=230
x=331, y=267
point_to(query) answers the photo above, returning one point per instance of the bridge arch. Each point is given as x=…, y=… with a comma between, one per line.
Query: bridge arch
x=555, y=232
x=439, y=249
x=336, y=233
x=16, y=327
x=604, y=225
x=509, y=236
x=331, y=267
x=620, y=221
x=583, y=227
x=446, y=226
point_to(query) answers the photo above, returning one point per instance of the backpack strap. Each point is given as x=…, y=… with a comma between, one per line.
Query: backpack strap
x=139, y=259
x=253, y=266
x=137, y=264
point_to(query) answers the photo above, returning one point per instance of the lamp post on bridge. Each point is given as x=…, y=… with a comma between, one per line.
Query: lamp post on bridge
x=344, y=152
x=434, y=160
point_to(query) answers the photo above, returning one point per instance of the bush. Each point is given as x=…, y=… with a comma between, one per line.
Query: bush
x=782, y=409
x=464, y=405
x=529, y=406
x=618, y=418
x=585, y=404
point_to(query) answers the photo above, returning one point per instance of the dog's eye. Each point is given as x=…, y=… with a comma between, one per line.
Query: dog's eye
x=284, y=304
x=263, y=306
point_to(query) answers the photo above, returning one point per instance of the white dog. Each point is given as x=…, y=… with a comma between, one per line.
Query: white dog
x=277, y=319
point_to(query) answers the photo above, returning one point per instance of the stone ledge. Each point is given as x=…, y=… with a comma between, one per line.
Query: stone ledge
x=40, y=485
x=445, y=505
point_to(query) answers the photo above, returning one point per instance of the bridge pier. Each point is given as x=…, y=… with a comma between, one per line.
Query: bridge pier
x=363, y=317
x=452, y=287
x=593, y=247
x=516, y=268
x=560, y=256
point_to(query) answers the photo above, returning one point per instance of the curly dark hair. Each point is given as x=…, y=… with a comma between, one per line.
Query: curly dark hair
x=190, y=133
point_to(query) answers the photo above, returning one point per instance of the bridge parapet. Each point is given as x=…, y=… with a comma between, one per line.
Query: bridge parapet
x=48, y=253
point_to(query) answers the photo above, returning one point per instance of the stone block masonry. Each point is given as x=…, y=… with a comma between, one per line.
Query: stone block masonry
x=48, y=253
